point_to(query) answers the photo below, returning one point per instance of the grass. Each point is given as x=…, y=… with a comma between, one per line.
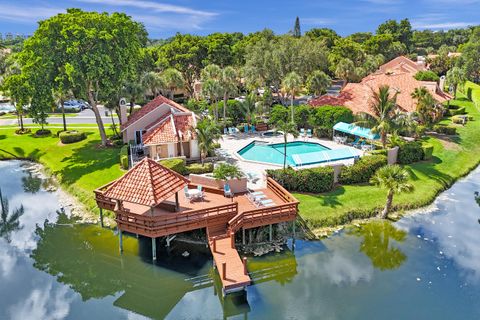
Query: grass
x=79, y=167
x=453, y=158
x=51, y=115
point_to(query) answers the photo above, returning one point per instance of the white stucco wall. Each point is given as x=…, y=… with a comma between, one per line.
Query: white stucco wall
x=194, y=150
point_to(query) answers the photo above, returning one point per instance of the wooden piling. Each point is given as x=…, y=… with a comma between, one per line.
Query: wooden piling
x=232, y=240
x=244, y=260
x=224, y=270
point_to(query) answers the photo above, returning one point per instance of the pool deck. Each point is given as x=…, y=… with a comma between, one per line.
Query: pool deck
x=230, y=144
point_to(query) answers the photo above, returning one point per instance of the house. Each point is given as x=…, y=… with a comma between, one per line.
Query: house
x=398, y=74
x=164, y=128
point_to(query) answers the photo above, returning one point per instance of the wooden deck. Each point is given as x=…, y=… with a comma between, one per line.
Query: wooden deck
x=221, y=217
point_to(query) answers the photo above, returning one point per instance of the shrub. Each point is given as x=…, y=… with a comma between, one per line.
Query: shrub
x=175, y=164
x=362, y=170
x=197, y=168
x=426, y=76
x=328, y=116
x=427, y=151
x=43, y=132
x=410, y=152
x=302, y=115
x=124, y=157
x=448, y=130
x=72, y=136
x=458, y=120
x=473, y=92
x=382, y=152
x=24, y=131
x=278, y=113
x=324, y=132
x=453, y=112
x=315, y=180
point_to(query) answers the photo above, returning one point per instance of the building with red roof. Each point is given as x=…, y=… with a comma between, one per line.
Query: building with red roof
x=398, y=74
x=164, y=128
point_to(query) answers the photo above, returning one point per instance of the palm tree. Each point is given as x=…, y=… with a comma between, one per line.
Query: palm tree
x=248, y=109
x=455, y=77
x=212, y=89
x=345, y=70
x=207, y=134
x=135, y=91
x=425, y=104
x=318, y=82
x=291, y=84
x=229, y=86
x=226, y=171
x=394, y=179
x=153, y=82
x=173, y=80
x=9, y=223
x=60, y=96
x=382, y=117
x=286, y=128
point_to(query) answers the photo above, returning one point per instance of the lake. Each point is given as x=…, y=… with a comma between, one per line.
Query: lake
x=425, y=266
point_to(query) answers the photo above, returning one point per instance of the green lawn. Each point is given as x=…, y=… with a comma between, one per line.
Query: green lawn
x=51, y=115
x=452, y=159
x=80, y=167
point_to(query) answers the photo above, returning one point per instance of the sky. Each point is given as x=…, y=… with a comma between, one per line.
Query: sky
x=163, y=19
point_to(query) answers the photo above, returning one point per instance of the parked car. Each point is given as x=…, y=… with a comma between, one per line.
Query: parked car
x=76, y=105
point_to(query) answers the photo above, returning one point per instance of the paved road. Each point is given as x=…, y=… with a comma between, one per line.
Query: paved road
x=86, y=116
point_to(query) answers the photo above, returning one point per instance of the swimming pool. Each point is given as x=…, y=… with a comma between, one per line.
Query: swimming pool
x=298, y=153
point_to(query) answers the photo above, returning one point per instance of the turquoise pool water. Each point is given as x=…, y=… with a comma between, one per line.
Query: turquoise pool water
x=298, y=153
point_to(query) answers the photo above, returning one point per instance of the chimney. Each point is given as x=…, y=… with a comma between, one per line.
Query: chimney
x=123, y=110
x=442, y=83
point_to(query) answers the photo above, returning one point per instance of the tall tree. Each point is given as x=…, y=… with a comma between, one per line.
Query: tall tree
x=318, y=82
x=383, y=115
x=286, y=128
x=97, y=51
x=173, y=80
x=297, y=33
x=229, y=84
x=134, y=91
x=346, y=70
x=394, y=179
x=292, y=84
x=455, y=77
x=60, y=95
x=425, y=105
x=211, y=85
x=18, y=89
x=249, y=109
x=153, y=82
x=207, y=134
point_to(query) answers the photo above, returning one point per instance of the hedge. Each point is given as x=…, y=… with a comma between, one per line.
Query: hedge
x=328, y=116
x=427, y=151
x=324, y=132
x=427, y=75
x=72, y=136
x=197, y=168
x=410, y=152
x=448, y=130
x=473, y=92
x=124, y=157
x=314, y=180
x=176, y=164
x=362, y=170
x=454, y=112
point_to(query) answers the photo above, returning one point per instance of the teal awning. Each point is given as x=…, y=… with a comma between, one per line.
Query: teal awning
x=356, y=130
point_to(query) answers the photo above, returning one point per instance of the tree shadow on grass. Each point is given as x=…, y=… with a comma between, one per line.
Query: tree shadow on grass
x=330, y=199
x=3, y=136
x=86, y=159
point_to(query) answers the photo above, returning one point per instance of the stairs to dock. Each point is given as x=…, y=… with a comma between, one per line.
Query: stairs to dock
x=232, y=269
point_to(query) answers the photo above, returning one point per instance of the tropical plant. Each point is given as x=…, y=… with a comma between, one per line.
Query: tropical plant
x=286, y=128
x=318, y=82
x=229, y=85
x=134, y=91
x=60, y=96
x=153, y=82
x=382, y=117
x=211, y=86
x=172, y=78
x=427, y=108
x=226, y=171
x=345, y=70
x=249, y=109
x=18, y=89
x=9, y=222
x=207, y=135
x=291, y=85
x=394, y=179
x=455, y=77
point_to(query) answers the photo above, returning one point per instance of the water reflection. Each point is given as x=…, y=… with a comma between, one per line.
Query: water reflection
x=9, y=221
x=31, y=184
x=378, y=244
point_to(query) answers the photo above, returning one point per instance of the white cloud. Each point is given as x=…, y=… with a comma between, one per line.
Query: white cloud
x=26, y=14
x=436, y=21
x=155, y=6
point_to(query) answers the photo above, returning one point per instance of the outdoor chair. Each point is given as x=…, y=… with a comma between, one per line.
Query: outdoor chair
x=227, y=191
x=252, y=177
x=200, y=192
x=245, y=128
x=225, y=130
x=252, y=129
x=309, y=133
x=251, y=195
x=187, y=193
x=302, y=132
x=355, y=142
x=265, y=203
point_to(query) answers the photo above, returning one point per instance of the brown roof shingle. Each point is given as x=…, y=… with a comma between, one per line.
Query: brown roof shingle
x=147, y=183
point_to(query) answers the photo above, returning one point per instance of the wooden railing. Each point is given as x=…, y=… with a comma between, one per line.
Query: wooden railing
x=280, y=191
x=156, y=226
x=102, y=201
x=264, y=216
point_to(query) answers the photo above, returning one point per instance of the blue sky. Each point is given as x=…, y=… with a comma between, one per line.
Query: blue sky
x=164, y=18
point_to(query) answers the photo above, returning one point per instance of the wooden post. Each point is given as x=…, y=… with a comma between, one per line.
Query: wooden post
x=250, y=236
x=214, y=245
x=120, y=240
x=224, y=270
x=154, y=249
x=243, y=236
x=177, y=206
x=270, y=233
x=232, y=240
x=244, y=260
x=101, y=217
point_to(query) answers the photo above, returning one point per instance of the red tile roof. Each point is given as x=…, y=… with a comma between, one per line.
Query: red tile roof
x=147, y=183
x=149, y=107
x=399, y=77
x=171, y=128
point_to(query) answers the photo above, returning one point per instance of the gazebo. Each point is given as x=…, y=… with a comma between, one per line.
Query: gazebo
x=146, y=184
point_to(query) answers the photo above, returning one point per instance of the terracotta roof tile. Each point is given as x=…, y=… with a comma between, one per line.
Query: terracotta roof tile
x=147, y=183
x=149, y=107
x=175, y=127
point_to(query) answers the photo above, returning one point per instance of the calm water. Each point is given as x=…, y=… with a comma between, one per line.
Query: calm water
x=423, y=267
